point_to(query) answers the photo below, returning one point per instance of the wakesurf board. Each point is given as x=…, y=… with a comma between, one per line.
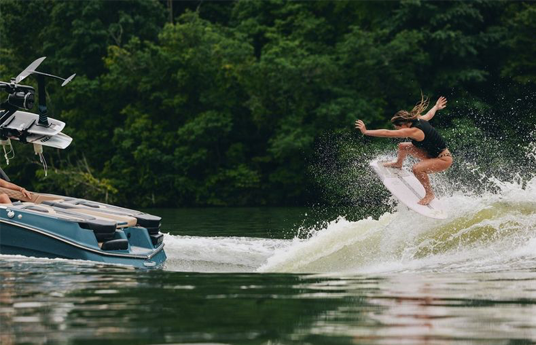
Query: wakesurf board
x=50, y=135
x=408, y=190
x=57, y=141
x=29, y=122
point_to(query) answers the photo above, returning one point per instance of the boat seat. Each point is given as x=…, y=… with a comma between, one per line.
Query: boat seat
x=103, y=228
x=122, y=220
x=81, y=208
x=118, y=244
x=124, y=217
x=29, y=206
x=38, y=208
x=52, y=210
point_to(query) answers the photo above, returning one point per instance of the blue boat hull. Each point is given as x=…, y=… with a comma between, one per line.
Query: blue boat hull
x=22, y=239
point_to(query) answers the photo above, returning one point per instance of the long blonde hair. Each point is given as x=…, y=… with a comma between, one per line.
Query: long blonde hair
x=403, y=116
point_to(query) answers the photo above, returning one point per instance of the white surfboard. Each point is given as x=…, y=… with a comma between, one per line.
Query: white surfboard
x=22, y=120
x=406, y=188
x=58, y=141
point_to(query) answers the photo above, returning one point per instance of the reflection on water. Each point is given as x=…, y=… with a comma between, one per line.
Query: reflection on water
x=61, y=302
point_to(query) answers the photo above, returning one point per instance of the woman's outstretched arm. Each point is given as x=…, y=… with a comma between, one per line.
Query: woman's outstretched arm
x=440, y=104
x=388, y=133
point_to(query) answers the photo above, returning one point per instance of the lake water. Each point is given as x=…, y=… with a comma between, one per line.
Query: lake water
x=279, y=276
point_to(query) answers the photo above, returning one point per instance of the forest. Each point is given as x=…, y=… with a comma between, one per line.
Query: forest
x=252, y=103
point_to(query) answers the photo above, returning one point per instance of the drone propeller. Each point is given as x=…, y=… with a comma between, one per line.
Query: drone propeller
x=68, y=80
x=29, y=70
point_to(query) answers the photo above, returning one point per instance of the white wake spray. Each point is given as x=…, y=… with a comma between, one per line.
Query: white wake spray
x=218, y=254
x=483, y=233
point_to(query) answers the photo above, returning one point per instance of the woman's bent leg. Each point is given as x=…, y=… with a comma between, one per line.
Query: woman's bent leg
x=428, y=166
x=403, y=150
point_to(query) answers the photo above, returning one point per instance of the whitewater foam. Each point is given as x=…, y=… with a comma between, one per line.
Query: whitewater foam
x=218, y=254
x=483, y=233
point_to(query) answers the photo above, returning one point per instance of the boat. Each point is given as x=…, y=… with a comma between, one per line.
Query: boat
x=56, y=226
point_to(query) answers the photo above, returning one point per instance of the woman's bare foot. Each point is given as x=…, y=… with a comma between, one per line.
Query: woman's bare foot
x=426, y=200
x=393, y=165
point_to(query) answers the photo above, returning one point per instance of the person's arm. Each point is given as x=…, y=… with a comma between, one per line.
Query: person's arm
x=12, y=186
x=388, y=133
x=440, y=104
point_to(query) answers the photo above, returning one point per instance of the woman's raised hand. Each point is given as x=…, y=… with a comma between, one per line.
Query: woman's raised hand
x=441, y=103
x=361, y=126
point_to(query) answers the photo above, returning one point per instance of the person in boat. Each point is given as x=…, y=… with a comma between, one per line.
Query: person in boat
x=426, y=144
x=4, y=199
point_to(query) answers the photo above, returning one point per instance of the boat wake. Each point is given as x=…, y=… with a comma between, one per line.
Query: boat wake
x=485, y=233
x=218, y=254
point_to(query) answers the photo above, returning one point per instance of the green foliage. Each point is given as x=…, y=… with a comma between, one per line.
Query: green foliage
x=80, y=181
x=521, y=43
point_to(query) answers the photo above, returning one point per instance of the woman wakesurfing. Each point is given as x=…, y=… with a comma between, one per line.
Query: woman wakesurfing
x=427, y=145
